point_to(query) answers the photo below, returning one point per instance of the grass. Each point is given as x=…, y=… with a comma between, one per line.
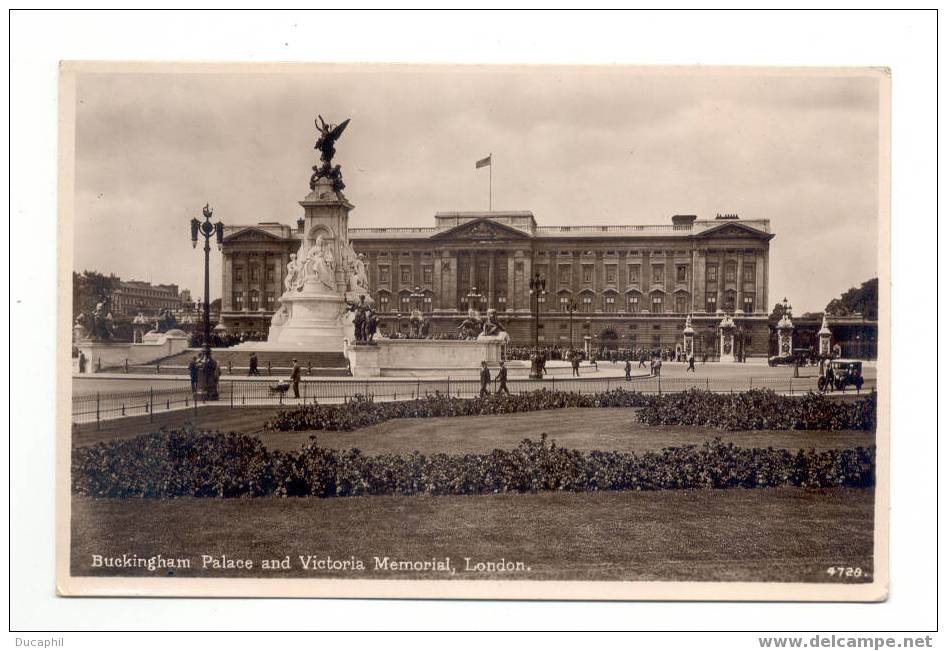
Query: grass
x=781, y=535
x=583, y=429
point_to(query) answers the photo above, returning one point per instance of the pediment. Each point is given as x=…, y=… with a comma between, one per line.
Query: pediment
x=479, y=230
x=252, y=234
x=735, y=231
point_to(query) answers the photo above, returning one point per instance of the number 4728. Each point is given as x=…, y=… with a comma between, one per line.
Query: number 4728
x=844, y=572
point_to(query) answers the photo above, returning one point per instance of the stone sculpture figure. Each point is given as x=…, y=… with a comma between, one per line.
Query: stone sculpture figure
x=319, y=265
x=470, y=327
x=371, y=325
x=491, y=326
x=292, y=273
x=359, y=319
x=280, y=316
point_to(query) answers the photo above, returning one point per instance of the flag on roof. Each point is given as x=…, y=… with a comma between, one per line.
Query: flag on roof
x=484, y=162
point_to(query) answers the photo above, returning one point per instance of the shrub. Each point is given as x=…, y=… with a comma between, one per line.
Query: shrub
x=754, y=409
x=199, y=464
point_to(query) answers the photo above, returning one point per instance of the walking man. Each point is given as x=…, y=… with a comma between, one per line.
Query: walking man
x=575, y=363
x=294, y=378
x=82, y=362
x=690, y=363
x=501, y=378
x=484, y=378
x=627, y=369
x=254, y=364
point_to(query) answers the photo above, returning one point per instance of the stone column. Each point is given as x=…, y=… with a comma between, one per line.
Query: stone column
x=699, y=282
x=739, y=305
x=511, y=288
x=721, y=263
x=491, y=289
x=436, y=280
x=226, y=299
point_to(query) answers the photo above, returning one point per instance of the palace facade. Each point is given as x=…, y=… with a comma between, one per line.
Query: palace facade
x=628, y=286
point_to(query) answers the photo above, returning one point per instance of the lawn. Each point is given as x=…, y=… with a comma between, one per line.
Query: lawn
x=782, y=534
x=583, y=429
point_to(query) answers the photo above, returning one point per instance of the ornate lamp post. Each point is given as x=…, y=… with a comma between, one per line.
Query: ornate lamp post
x=571, y=307
x=208, y=230
x=537, y=288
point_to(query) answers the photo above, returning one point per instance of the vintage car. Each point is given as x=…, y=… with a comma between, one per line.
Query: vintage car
x=844, y=373
x=800, y=356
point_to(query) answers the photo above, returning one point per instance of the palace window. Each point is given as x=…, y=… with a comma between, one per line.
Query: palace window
x=632, y=302
x=749, y=273
x=384, y=273
x=427, y=274
x=680, y=303
x=657, y=303
x=405, y=303
x=427, y=304
x=634, y=274
x=682, y=273
x=611, y=273
x=254, y=273
x=748, y=303
x=270, y=300
x=563, y=303
x=565, y=274
x=238, y=300
x=541, y=299
x=405, y=273
x=501, y=303
x=270, y=273
x=383, y=303
x=587, y=303
x=730, y=272
x=238, y=274
x=711, y=273
x=610, y=303
x=711, y=302
x=657, y=273
x=254, y=301
x=587, y=270
x=729, y=301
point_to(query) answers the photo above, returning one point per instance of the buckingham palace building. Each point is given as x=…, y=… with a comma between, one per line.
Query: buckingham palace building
x=615, y=286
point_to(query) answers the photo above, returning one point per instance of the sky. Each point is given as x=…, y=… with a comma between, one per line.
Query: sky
x=593, y=145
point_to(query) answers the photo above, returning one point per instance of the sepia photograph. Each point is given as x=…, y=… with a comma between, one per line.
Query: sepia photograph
x=473, y=331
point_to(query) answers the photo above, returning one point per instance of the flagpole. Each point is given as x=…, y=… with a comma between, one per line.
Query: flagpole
x=491, y=181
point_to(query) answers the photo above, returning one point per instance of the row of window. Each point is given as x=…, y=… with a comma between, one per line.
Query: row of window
x=588, y=270
x=269, y=301
x=584, y=304
x=238, y=274
x=407, y=272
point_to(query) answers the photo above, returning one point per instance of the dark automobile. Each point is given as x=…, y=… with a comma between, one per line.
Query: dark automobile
x=844, y=373
x=801, y=356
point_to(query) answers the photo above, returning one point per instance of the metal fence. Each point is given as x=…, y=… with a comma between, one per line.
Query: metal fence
x=98, y=407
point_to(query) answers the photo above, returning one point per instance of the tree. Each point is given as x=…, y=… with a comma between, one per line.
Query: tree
x=863, y=299
x=89, y=288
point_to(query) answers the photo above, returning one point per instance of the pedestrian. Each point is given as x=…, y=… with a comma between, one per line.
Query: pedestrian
x=82, y=362
x=484, y=378
x=192, y=369
x=690, y=363
x=642, y=359
x=254, y=365
x=501, y=379
x=627, y=369
x=125, y=365
x=657, y=367
x=297, y=371
x=575, y=364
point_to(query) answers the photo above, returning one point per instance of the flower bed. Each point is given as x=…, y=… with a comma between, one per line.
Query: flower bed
x=754, y=409
x=187, y=462
x=758, y=409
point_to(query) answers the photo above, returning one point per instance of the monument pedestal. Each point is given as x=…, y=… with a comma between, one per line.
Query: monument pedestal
x=726, y=340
